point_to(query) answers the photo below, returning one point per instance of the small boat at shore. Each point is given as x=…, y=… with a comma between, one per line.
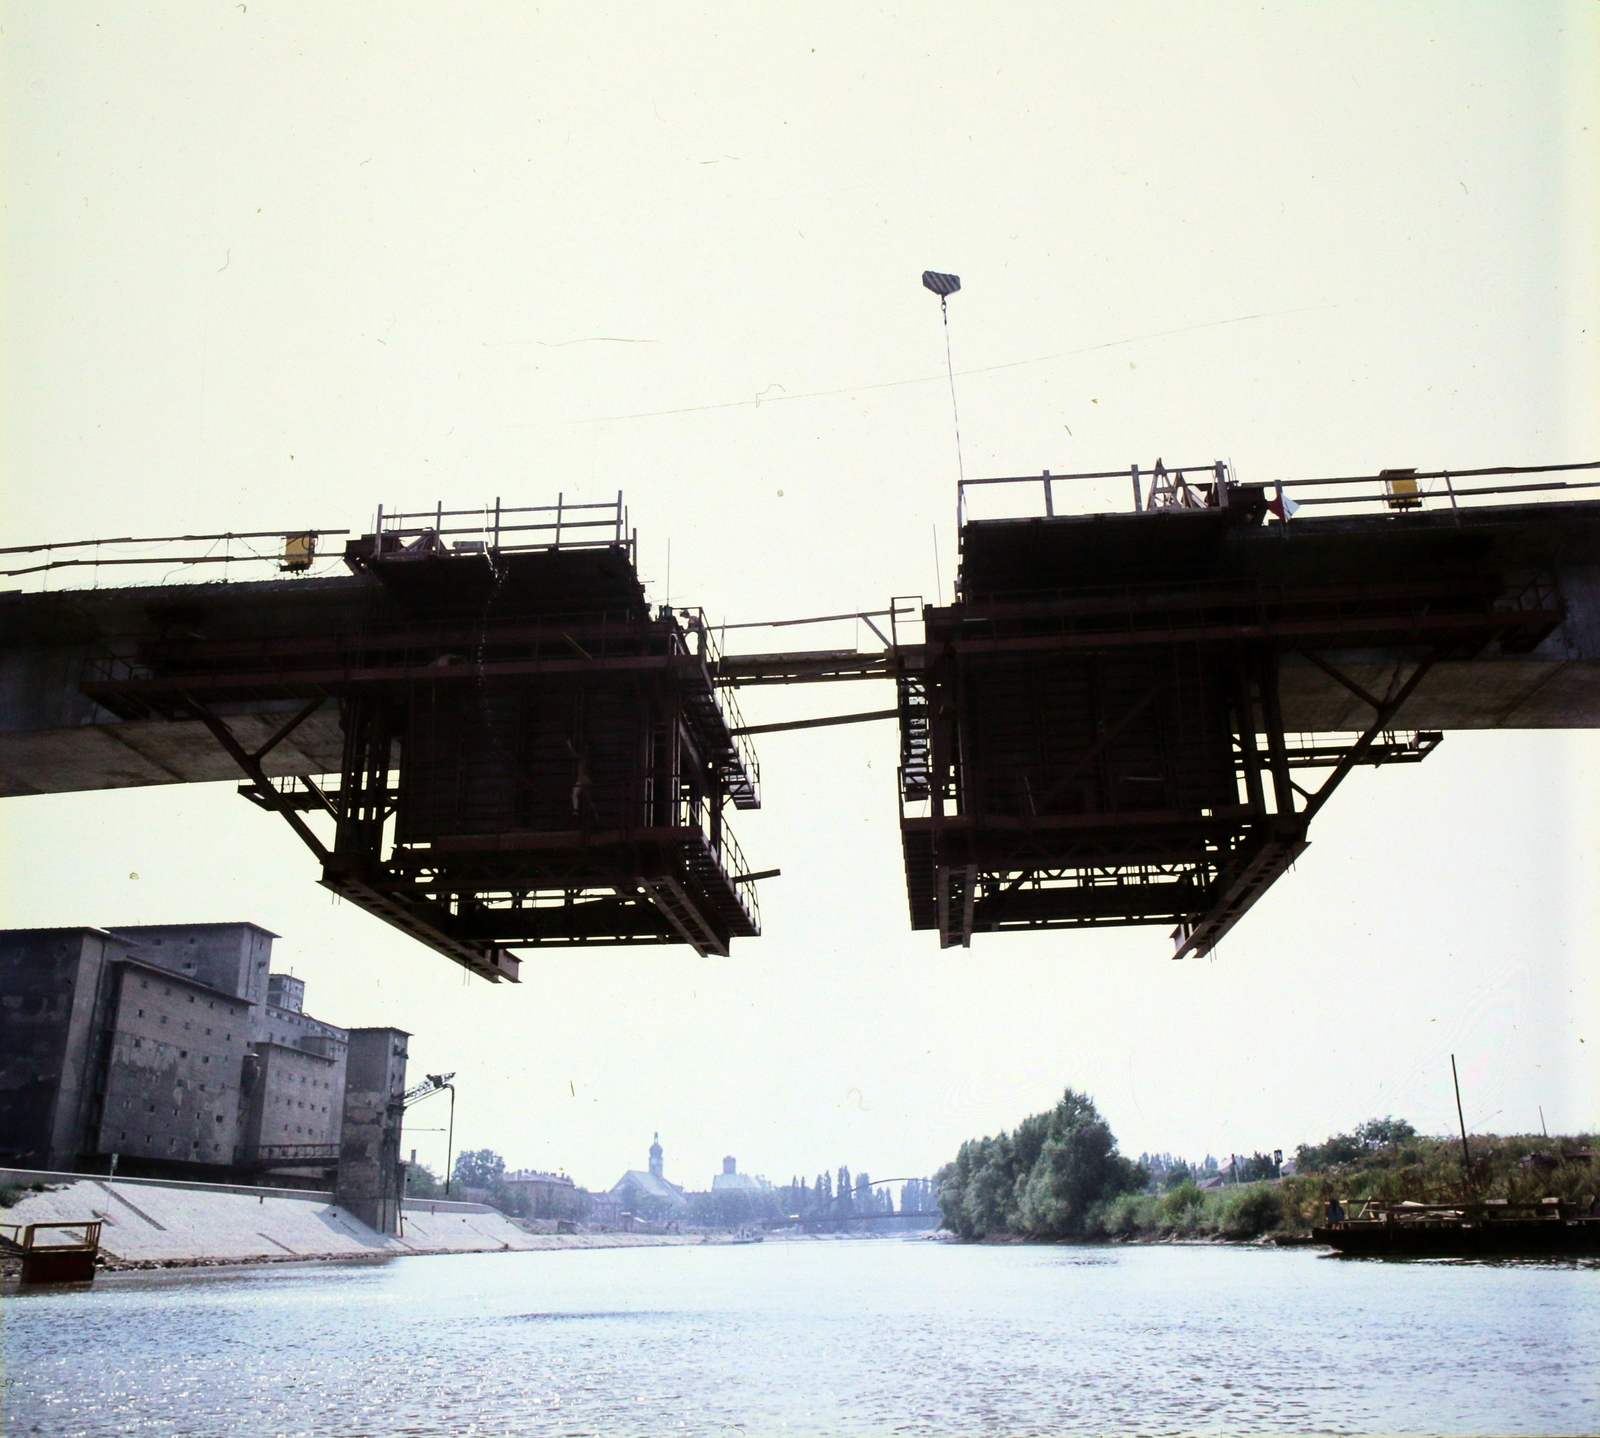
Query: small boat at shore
x=53, y=1252
x=1491, y=1229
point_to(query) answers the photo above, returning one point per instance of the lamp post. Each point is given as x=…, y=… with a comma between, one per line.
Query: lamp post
x=450, y=1142
x=438, y=1083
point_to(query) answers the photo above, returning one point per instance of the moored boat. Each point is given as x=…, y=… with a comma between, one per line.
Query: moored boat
x=1491, y=1229
x=66, y=1255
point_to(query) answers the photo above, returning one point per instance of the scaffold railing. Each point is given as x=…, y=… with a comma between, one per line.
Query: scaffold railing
x=1214, y=484
x=508, y=529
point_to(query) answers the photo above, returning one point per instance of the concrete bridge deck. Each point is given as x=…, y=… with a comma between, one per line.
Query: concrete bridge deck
x=54, y=739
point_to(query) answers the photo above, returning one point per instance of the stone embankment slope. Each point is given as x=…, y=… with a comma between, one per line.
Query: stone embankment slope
x=145, y=1221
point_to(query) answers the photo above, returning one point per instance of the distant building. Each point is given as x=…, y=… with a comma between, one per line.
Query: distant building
x=606, y=1209
x=294, y=1081
x=730, y=1180
x=547, y=1195
x=129, y=1042
x=176, y=1049
x=650, y=1195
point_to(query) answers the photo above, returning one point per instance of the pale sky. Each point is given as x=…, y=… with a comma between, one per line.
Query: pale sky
x=268, y=266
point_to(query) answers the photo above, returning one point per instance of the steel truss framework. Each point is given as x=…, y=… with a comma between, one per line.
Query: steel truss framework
x=1117, y=755
x=549, y=770
x=533, y=758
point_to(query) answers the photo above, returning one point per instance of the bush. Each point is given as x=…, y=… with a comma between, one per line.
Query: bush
x=1176, y=1176
x=1124, y=1217
x=1250, y=1212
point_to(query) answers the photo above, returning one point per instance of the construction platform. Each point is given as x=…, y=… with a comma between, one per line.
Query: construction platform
x=1110, y=724
x=527, y=755
x=1123, y=717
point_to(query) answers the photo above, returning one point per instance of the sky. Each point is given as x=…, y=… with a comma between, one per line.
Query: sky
x=267, y=266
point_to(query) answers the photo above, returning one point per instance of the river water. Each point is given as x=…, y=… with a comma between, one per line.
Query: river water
x=885, y=1336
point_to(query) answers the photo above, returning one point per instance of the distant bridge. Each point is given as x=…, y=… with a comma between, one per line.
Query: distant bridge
x=813, y=1221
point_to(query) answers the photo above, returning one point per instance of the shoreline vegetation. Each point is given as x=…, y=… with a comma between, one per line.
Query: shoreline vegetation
x=1059, y=1178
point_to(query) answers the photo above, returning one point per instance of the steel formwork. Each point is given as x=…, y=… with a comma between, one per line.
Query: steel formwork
x=524, y=753
x=532, y=757
x=1092, y=733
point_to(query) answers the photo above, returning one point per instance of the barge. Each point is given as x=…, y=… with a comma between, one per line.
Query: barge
x=1491, y=1229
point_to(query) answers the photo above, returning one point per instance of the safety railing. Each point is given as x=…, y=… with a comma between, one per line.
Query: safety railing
x=737, y=868
x=1216, y=485
x=1406, y=490
x=709, y=651
x=23, y=1237
x=507, y=529
x=1156, y=488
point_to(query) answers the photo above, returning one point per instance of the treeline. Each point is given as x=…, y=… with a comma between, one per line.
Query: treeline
x=1046, y=1179
x=832, y=1199
x=1374, y=1138
x=1167, y=1173
x=1059, y=1176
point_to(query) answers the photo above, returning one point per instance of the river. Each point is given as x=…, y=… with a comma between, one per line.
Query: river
x=886, y=1336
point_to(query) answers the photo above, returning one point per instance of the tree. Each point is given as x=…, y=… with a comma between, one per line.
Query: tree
x=1379, y=1133
x=422, y=1182
x=1040, y=1181
x=479, y=1168
x=1377, y=1138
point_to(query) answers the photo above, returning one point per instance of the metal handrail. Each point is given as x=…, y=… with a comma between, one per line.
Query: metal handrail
x=26, y=1231
x=1381, y=491
x=493, y=526
x=733, y=864
x=710, y=654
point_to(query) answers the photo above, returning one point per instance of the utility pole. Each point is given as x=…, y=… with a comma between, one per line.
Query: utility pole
x=1466, y=1153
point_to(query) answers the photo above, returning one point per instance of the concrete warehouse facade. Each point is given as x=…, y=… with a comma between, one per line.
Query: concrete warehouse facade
x=175, y=1049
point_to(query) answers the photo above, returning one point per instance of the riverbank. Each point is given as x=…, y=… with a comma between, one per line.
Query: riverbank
x=152, y=1223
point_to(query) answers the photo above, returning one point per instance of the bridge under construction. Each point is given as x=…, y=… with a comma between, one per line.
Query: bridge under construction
x=489, y=738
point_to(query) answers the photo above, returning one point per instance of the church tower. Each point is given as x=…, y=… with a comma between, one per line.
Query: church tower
x=655, y=1157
